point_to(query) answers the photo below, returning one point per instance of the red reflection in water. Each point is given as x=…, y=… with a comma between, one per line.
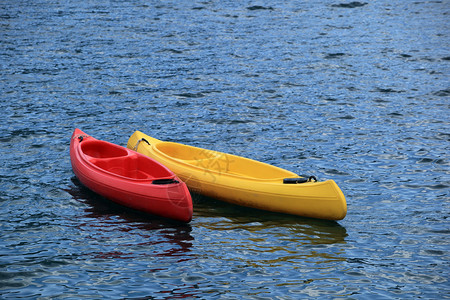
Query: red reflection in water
x=103, y=220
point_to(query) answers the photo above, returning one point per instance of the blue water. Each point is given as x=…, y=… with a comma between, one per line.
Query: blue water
x=352, y=91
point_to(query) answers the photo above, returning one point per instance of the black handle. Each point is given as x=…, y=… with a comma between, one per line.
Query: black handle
x=299, y=180
x=165, y=181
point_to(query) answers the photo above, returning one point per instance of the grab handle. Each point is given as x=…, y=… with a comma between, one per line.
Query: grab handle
x=165, y=181
x=299, y=180
x=137, y=144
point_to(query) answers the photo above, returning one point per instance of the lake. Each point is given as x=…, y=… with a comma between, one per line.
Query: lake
x=357, y=92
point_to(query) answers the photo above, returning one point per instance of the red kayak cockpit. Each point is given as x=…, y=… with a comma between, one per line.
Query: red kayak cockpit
x=102, y=149
x=122, y=162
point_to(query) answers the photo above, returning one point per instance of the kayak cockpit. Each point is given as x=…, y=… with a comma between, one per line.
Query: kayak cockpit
x=221, y=163
x=102, y=149
x=122, y=162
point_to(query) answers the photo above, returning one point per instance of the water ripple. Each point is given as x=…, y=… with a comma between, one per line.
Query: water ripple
x=346, y=90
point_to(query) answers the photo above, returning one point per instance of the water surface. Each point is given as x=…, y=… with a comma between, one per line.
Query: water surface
x=354, y=91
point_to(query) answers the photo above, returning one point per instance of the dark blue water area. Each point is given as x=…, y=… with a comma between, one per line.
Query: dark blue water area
x=352, y=91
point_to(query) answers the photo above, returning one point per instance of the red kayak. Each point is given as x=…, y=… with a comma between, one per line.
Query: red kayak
x=129, y=178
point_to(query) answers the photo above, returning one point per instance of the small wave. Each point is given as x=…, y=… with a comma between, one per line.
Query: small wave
x=353, y=4
x=190, y=95
x=259, y=7
x=175, y=51
x=395, y=114
x=441, y=161
x=442, y=93
x=336, y=172
x=387, y=90
x=180, y=104
x=425, y=160
x=335, y=55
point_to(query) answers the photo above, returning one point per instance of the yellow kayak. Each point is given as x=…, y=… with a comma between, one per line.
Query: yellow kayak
x=244, y=181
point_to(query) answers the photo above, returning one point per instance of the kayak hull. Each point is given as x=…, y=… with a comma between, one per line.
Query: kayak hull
x=243, y=181
x=129, y=178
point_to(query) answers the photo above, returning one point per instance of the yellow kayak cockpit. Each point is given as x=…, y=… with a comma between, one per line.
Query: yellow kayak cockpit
x=219, y=162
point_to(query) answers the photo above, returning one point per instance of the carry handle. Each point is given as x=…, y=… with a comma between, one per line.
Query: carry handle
x=165, y=181
x=137, y=144
x=299, y=180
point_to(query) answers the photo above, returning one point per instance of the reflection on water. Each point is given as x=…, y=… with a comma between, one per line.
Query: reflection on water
x=121, y=252
x=267, y=249
x=223, y=245
x=103, y=216
x=237, y=217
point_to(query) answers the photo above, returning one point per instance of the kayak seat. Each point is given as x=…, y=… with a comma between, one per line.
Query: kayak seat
x=218, y=163
x=132, y=167
x=184, y=152
x=102, y=149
